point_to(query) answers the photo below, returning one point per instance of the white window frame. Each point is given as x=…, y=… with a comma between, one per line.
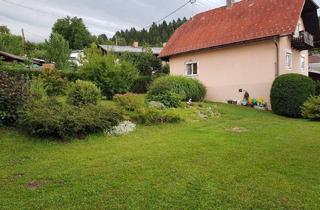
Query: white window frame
x=302, y=60
x=192, y=63
x=288, y=65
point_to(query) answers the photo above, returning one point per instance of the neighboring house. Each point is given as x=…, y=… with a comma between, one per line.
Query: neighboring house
x=8, y=57
x=314, y=67
x=245, y=46
x=76, y=57
x=135, y=48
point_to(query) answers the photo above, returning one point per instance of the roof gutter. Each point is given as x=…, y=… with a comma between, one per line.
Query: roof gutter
x=270, y=38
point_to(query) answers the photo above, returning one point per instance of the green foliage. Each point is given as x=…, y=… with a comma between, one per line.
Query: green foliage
x=54, y=84
x=37, y=89
x=168, y=98
x=186, y=88
x=49, y=118
x=11, y=44
x=165, y=69
x=103, y=39
x=111, y=75
x=4, y=29
x=311, y=108
x=289, y=92
x=151, y=116
x=74, y=31
x=141, y=84
x=317, y=88
x=146, y=62
x=18, y=69
x=13, y=96
x=83, y=93
x=153, y=36
x=36, y=50
x=58, y=51
x=129, y=101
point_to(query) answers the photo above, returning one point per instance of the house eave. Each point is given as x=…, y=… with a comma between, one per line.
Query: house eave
x=167, y=57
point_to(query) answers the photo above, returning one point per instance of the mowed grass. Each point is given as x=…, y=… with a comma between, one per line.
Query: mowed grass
x=246, y=159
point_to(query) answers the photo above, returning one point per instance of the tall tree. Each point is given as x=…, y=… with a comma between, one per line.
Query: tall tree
x=58, y=51
x=74, y=31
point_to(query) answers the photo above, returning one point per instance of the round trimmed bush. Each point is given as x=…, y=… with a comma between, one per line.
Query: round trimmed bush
x=83, y=93
x=289, y=92
x=185, y=87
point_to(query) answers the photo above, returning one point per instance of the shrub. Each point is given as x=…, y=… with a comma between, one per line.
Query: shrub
x=317, y=88
x=289, y=92
x=13, y=96
x=129, y=101
x=311, y=108
x=54, y=84
x=168, y=98
x=187, y=88
x=37, y=89
x=151, y=116
x=49, y=118
x=141, y=84
x=111, y=75
x=146, y=63
x=83, y=93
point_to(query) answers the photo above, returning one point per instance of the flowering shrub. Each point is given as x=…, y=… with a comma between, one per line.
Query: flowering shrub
x=123, y=128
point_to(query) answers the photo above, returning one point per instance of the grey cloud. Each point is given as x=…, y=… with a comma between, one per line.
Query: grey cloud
x=101, y=16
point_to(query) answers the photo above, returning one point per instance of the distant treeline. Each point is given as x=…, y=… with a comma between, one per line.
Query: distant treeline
x=156, y=35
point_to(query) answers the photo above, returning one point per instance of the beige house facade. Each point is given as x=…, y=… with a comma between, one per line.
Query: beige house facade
x=229, y=70
x=251, y=67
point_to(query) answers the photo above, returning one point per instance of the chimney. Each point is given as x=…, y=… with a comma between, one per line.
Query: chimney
x=135, y=44
x=230, y=3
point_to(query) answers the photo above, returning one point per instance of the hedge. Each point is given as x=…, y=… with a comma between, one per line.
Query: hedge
x=289, y=92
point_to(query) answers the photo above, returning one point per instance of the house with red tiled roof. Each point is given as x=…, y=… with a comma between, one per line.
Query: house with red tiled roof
x=245, y=45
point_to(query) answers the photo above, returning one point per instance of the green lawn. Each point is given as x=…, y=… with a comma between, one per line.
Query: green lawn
x=245, y=159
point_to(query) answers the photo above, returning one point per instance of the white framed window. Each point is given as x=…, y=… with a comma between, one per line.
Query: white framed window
x=289, y=59
x=192, y=68
x=302, y=62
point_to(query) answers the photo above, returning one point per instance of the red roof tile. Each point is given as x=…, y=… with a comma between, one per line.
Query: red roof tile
x=244, y=21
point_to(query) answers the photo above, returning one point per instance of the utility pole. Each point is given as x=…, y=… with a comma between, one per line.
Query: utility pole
x=23, y=41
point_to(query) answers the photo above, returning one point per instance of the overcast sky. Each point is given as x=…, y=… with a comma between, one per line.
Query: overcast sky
x=100, y=16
